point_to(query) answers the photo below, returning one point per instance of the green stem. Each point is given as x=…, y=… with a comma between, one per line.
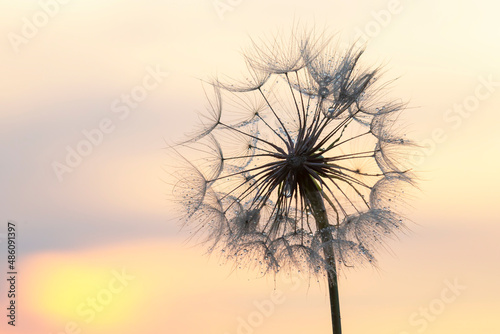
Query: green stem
x=313, y=194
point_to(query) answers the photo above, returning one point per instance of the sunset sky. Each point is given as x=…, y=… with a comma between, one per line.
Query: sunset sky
x=99, y=247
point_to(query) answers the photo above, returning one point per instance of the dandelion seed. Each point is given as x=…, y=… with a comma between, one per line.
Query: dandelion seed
x=300, y=163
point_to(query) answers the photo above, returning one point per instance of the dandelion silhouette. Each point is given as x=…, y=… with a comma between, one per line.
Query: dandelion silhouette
x=298, y=167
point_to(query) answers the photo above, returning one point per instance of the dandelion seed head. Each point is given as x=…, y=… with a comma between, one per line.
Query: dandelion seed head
x=300, y=159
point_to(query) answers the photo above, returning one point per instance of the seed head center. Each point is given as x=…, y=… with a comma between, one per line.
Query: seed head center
x=296, y=161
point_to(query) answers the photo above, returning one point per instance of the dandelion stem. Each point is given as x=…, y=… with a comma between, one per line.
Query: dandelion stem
x=313, y=195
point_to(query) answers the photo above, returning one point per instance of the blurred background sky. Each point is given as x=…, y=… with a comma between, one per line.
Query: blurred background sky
x=106, y=225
